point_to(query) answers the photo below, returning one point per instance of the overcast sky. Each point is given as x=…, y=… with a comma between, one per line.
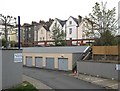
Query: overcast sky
x=35, y=10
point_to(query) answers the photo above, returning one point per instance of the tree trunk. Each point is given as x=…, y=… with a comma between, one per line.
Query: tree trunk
x=6, y=35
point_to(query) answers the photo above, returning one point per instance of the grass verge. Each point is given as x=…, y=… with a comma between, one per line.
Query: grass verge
x=25, y=86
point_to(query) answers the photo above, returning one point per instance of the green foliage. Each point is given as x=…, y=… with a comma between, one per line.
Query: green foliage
x=25, y=86
x=118, y=39
x=104, y=24
x=106, y=39
x=3, y=42
x=12, y=43
x=58, y=36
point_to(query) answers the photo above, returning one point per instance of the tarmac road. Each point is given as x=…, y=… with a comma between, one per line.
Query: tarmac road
x=58, y=79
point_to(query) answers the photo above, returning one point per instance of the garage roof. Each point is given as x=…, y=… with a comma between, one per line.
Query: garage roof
x=66, y=49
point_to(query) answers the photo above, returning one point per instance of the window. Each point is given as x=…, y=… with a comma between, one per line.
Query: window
x=29, y=28
x=70, y=30
x=70, y=22
x=0, y=33
x=9, y=38
x=55, y=24
x=29, y=35
x=41, y=31
x=40, y=38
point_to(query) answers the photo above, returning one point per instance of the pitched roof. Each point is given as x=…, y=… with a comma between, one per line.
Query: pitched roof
x=46, y=27
x=75, y=19
x=26, y=25
x=62, y=22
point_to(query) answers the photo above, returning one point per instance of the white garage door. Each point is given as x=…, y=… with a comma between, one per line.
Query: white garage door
x=29, y=61
x=63, y=64
x=38, y=62
x=50, y=63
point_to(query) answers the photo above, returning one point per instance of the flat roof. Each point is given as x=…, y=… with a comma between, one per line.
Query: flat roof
x=63, y=49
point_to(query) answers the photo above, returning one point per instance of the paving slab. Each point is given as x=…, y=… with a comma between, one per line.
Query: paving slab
x=107, y=83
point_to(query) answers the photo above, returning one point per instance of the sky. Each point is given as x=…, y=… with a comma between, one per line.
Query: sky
x=36, y=10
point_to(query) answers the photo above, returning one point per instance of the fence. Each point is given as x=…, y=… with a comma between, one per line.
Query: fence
x=105, y=52
x=108, y=50
x=51, y=42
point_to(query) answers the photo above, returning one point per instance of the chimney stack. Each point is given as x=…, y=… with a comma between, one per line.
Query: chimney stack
x=79, y=18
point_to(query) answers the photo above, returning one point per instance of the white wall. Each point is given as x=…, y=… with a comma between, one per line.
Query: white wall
x=42, y=33
x=51, y=28
x=73, y=26
x=53, y=24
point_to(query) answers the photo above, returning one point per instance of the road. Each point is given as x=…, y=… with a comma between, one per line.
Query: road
x=57, y=79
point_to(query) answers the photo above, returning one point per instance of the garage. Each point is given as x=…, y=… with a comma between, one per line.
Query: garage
x=50, y=63
x=38, y=62
x=63, y=64
x=28, y=61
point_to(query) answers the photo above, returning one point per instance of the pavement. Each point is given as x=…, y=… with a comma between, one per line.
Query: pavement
x=35, y=83
x=106, y=83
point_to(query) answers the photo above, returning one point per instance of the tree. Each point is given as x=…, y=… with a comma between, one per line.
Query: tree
x=8, y=22
x=104, y=24
x=3, y=42
x=58, y=36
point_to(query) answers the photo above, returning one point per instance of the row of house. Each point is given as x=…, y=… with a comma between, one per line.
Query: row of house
x=75, y=28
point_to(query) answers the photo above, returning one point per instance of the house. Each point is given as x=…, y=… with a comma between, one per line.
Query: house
x=57, y=23
x=43, y=34
x=84, y=30
x=84, y=26
x=28, y=34
x=71, y=27
x=1, y=32
x=35, y=27
x=59, y=58
x=13, y=35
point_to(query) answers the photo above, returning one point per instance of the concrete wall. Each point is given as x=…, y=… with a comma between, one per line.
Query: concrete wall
x=11, y=71
x=54, y=55
x=75, y=58
x=106, y=70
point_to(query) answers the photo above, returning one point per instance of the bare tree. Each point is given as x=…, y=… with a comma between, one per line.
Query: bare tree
x=8, y=22
x=104, y=24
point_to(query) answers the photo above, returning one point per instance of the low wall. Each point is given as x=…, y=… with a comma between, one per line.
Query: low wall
x=105, y=70
x=11, y=70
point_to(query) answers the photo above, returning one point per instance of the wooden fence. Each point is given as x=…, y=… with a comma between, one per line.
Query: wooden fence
x=105, y=50
x=106, y=53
